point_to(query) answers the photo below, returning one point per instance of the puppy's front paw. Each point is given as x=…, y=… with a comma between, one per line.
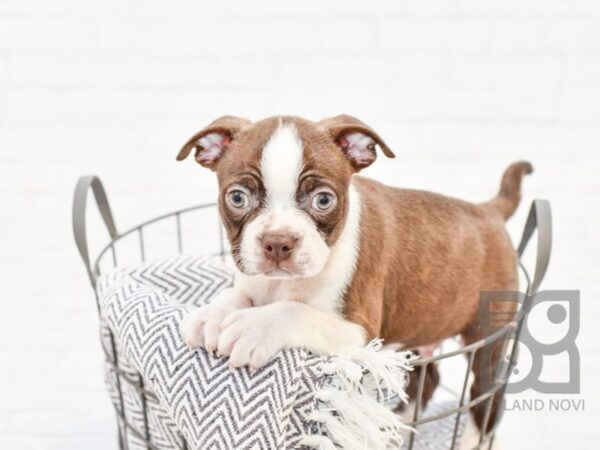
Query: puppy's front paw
x=201, y=328
x=250, y=338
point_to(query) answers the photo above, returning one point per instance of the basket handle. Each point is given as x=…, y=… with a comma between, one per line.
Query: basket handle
x=79, y=209
x=540, y=218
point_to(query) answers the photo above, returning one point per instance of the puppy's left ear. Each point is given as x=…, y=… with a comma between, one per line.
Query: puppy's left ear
x=212, y=141
x=356, y=139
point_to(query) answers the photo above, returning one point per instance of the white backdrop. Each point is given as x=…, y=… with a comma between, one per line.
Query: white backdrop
x=458, y=88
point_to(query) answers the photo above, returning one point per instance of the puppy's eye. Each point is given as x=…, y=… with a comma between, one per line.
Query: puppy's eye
x=322, y=201
x=238, y=199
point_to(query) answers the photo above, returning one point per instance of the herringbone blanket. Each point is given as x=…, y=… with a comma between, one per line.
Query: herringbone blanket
x=195, y=401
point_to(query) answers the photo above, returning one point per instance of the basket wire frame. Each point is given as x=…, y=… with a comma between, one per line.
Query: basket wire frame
x=507, y=333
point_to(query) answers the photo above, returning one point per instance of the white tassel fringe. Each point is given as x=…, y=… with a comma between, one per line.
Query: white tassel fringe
x=351, y=411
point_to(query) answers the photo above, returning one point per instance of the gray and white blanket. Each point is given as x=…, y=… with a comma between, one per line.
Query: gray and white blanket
x=298, y=400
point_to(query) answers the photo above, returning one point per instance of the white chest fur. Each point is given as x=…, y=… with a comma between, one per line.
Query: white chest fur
x=324, y=291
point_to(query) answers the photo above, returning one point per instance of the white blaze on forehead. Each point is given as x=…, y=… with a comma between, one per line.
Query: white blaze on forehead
x=281, y=163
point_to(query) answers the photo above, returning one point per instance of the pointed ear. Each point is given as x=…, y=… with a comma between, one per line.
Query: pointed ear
x=211, y=142
x=356, y=140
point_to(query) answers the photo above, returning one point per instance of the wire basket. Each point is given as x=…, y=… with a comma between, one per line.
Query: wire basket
x=173, y=227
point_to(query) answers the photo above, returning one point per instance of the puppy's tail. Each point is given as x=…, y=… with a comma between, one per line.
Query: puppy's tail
x=508, y=197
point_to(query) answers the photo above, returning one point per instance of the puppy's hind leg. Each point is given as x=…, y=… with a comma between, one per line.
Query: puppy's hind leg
x=471, y=436
x=431, y=380
x=486, y=414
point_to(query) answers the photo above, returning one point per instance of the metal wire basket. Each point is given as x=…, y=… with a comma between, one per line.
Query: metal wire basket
x=539, y=219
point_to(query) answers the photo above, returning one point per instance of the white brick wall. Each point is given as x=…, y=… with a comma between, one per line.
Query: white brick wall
x=459, y=88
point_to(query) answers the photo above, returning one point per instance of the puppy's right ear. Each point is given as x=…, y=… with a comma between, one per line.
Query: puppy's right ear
x=211, y=142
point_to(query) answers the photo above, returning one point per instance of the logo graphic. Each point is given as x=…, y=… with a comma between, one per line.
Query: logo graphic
x=544, y=326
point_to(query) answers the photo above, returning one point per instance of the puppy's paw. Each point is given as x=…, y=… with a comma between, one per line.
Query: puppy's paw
x=470, y=438
x=201, y=328
x=250, y=338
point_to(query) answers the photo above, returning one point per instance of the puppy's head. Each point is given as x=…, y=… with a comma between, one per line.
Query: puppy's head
x=284, y=184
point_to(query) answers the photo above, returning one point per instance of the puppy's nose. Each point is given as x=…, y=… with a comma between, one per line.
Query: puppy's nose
x=278, y=247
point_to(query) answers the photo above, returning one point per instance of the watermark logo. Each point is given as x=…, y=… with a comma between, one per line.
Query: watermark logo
x=559, y=404
x=527, y=359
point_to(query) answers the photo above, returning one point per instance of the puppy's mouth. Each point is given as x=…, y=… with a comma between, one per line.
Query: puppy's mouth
x=273, y=269
x=284, y=269
x=279, y=272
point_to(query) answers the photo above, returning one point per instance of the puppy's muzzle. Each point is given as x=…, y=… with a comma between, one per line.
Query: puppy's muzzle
x=278, y=247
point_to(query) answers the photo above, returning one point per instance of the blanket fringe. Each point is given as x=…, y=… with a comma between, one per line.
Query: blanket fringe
x=351, y=412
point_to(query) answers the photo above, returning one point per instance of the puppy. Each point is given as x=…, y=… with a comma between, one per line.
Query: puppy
x=327, y=259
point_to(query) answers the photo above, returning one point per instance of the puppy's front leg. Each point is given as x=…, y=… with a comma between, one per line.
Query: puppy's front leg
x=201, y=328
x=253, y=336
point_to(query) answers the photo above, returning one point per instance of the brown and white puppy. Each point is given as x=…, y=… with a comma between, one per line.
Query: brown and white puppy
x=327, y=259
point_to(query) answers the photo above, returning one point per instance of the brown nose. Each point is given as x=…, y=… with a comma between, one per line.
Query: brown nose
x=278, y=247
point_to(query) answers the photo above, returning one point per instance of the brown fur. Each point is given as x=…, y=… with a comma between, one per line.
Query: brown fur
x=424, y=257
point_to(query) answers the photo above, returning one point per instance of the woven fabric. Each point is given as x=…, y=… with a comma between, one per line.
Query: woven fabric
x=198, y=396
x=194, y=396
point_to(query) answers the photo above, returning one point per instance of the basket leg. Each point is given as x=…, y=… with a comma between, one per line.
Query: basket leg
x=120, y=435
